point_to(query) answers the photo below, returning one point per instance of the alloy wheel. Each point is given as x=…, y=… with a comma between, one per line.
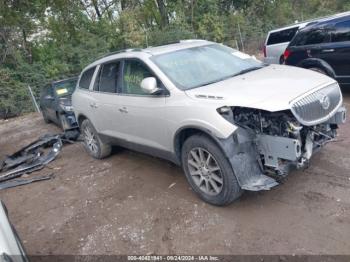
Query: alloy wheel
x=90, y=140
x=205, y=171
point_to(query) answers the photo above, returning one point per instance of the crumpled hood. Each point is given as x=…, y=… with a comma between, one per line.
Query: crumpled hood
x=271, y=88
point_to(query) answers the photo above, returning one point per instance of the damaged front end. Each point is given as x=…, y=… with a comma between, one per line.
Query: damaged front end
x=282, y=142
x=268, y=145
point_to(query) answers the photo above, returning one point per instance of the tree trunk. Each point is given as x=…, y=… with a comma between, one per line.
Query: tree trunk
x=98, y=13
x=163, y=13
x=26, y=47
x=123, y=4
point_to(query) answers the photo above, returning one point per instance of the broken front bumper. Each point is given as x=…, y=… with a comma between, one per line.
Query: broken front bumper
x=253, y=156
x=69, y=121
x=283, y=154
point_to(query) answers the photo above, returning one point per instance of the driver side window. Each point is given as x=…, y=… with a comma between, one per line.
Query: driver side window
x=134, y=72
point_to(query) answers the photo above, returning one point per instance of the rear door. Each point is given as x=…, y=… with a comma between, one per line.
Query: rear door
x=140, y=113
x=106, y=115
x=308, y=44
x=50, y=103
x=43, y=102
x=83, y=100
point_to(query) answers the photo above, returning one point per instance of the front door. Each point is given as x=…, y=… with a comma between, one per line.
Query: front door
x=140, y=113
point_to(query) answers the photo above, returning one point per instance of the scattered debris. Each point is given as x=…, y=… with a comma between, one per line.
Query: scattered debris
x=33, y=157
x=173, y=184
x=20, y=182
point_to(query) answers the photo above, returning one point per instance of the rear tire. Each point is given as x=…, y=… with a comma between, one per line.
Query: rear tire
x=208, y=171
x=92, y=143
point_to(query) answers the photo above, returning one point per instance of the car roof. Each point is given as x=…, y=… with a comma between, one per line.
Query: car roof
x=149, y=51
x=312, y=22
x=63, y=80
x=182, y=44
x=334, y=19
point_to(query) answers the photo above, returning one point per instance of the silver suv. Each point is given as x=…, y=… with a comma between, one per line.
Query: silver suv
x=231, y=122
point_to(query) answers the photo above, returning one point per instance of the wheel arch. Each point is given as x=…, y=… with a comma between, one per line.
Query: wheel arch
x=185, y=132
x=319, y=63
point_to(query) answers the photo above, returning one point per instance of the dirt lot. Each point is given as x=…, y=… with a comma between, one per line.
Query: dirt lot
x=124, y=205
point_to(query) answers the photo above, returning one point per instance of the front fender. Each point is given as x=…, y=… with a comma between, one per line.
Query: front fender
x=220, y=129
x=319, y=63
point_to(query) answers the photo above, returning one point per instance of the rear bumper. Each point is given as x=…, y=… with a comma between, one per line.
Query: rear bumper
x=271, y=60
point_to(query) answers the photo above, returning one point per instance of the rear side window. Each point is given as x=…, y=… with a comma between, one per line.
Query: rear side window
x=86, y=78
x=312, y=37
x=107, y=79
x=282, y=36
x=341, y=32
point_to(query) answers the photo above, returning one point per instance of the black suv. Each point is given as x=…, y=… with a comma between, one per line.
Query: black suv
x=323, y=46
x=56, y=103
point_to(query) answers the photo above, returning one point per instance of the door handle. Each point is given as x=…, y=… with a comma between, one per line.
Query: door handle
x=328, y=50
x=123, y=109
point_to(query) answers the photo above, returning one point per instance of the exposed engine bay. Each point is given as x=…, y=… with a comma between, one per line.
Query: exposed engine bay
x=282, y=142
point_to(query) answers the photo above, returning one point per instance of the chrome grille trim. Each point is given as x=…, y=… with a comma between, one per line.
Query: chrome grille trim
x=308, y=108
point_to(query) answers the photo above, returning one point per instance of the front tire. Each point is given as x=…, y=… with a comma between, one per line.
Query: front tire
x=92, y=143
x=209, y=172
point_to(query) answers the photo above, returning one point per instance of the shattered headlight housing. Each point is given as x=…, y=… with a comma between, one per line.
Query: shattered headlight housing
x=67, y=108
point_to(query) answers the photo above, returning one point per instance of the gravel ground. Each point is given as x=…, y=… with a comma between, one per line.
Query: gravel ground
x=131, y=203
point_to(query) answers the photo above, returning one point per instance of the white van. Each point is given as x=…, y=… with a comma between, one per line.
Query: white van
x=277, y=41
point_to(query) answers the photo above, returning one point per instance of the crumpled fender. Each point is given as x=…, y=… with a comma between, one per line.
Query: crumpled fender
x=241, y=151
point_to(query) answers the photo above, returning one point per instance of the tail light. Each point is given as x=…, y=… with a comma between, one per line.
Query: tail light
x=264, y=50
x=286, y=54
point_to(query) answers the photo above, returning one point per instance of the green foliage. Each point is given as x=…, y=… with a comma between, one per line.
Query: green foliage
x=14, y=96
x=43, y=40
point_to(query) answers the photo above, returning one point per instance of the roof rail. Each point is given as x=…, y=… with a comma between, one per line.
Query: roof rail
x=191, y=40
x=179, y=41
x=120, y=51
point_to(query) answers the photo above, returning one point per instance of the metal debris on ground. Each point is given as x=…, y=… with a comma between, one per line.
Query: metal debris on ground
x=173, y=184
x=33, y=157
x=20, y=182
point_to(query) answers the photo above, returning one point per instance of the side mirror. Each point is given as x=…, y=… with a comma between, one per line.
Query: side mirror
x=149, y=85
x=49, y=97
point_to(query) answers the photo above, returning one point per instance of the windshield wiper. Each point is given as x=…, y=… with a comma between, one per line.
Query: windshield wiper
x=235, y=74
x=244, y=71
x=229, y=76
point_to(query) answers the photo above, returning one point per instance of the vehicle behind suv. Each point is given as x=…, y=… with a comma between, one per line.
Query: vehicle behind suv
x=323, y=47
x=56, y=103
x=231, y=122
x=277, y=41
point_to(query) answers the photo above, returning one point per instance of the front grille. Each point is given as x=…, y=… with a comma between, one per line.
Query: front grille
x=317, y=107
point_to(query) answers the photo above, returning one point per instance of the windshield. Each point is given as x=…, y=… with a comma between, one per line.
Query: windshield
x=203, y=65
x=65, y=87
